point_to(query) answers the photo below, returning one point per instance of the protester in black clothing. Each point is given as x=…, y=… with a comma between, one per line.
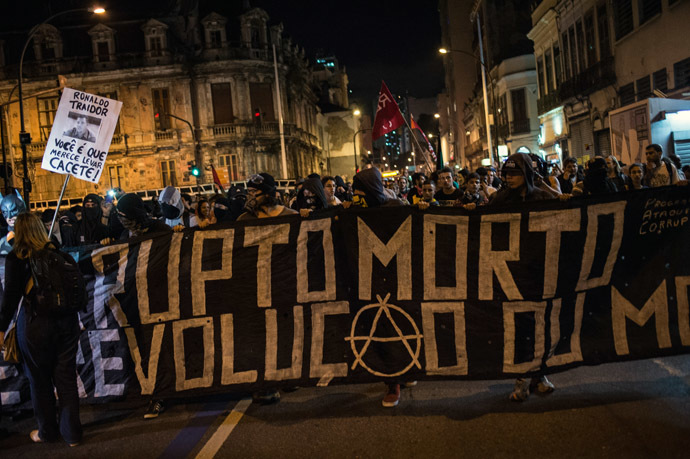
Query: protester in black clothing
x=68, y=229
x=48, y=342
x=341, y=189
x=228, y=210
x=135, y=219
x=596, y=179
x=311, y=197
x=90, y=229
x=76, y=211
x=519, y=178
x=447, y=193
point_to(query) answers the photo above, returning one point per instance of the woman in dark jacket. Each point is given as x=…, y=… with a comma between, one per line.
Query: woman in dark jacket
x=48, y=342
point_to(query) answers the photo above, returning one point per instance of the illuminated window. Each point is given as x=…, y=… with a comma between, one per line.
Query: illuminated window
x=116, y=175
x=231, y=162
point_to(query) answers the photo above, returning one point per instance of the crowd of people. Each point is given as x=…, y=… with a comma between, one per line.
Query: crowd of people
x=521, y=178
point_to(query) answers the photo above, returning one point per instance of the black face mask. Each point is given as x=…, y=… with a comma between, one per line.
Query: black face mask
x=169, y=211
x=91, y=213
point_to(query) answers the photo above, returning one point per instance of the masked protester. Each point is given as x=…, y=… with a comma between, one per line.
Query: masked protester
x=311, y=197
x=11, y=206
x=91, y=230
x=172, y=208
x=261, y=199
x=135, y=219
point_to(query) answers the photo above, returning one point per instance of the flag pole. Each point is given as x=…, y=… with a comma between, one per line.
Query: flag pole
x=57, y=209
x=414, y=137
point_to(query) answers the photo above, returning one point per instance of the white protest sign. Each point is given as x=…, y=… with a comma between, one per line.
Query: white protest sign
x=81, y=135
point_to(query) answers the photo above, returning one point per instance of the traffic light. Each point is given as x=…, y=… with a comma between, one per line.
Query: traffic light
x=257, y=116
x=193, y=169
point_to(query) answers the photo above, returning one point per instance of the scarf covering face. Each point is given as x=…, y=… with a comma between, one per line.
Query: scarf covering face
x=263, y=182
x=171, y=203
x=371, y=183
x=132, y=206
x=317, y=200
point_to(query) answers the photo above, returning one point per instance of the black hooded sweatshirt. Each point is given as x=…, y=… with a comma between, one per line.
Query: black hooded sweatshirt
x=316, y=201
x=507, y=195
x=91, y=230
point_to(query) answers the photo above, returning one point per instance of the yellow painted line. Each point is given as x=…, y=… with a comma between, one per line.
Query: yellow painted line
x=216, y=441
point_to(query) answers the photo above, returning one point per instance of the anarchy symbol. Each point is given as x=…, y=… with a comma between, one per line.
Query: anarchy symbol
x=384, y=308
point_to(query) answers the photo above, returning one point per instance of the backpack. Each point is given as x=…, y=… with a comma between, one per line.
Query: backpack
x=59, y=286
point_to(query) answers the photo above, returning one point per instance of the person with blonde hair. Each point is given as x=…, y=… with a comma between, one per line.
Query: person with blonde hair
x=613, y=168
x=47, y=339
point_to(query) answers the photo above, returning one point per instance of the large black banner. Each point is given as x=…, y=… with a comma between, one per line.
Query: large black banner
x=366, y=295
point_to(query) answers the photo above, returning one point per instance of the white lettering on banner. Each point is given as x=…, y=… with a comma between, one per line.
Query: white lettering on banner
x=101, y=364
x=575, y=354
x=80, y=361
x=430, y=346
x=303, y=294
x=553, y=223
x=228, y=374
x=622, y=309
x=318, y=369
x=510, y=309
x=104, y=294
x=173, y=312
x=294, y=371
x=682, y=284
x=494, y=261
x=148, y=381
x=398, y=246
x=200, y=276
x=178, y=328
x=617, y=209
x=431, y=291
x=265, y=237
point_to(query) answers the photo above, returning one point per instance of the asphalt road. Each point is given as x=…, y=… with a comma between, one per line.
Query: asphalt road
x=624, y=410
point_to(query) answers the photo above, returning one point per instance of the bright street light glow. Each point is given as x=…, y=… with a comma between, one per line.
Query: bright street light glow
x=409, y=159
x=98, y=10
x=437, y=116
x=443, y=50
x=357, y=112
x=431, y=136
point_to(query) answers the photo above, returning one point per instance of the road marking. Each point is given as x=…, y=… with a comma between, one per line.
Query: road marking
x=670, y=369
x=216, y=441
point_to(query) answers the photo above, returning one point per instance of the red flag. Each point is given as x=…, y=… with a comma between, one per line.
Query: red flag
x=216, y=179
x=388, y=117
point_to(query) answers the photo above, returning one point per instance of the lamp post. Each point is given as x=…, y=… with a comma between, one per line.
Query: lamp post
x=197, y=149
x=485, y=69
x=354, y=146
x=25, y=137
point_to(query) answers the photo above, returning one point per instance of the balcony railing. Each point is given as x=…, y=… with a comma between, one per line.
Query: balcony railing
x=598, y=76
x=272, y=129
x=520, y=127
x=165, y=135
x=548, y=102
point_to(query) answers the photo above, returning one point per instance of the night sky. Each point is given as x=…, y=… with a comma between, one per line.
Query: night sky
x=375, y=40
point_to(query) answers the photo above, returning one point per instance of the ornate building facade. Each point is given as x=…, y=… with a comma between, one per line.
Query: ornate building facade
x=196, y=86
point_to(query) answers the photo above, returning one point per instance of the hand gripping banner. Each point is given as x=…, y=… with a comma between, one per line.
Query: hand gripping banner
x=352, y=296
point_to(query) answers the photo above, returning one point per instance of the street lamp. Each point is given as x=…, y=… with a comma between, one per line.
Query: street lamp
x=25, y=137
x=485, y=69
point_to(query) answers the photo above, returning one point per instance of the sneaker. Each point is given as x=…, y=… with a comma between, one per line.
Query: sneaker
x=266, y=397
x=543, y=385
x=392, y=398
x=155, y=408
x=521, y=390
x=409, y=384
